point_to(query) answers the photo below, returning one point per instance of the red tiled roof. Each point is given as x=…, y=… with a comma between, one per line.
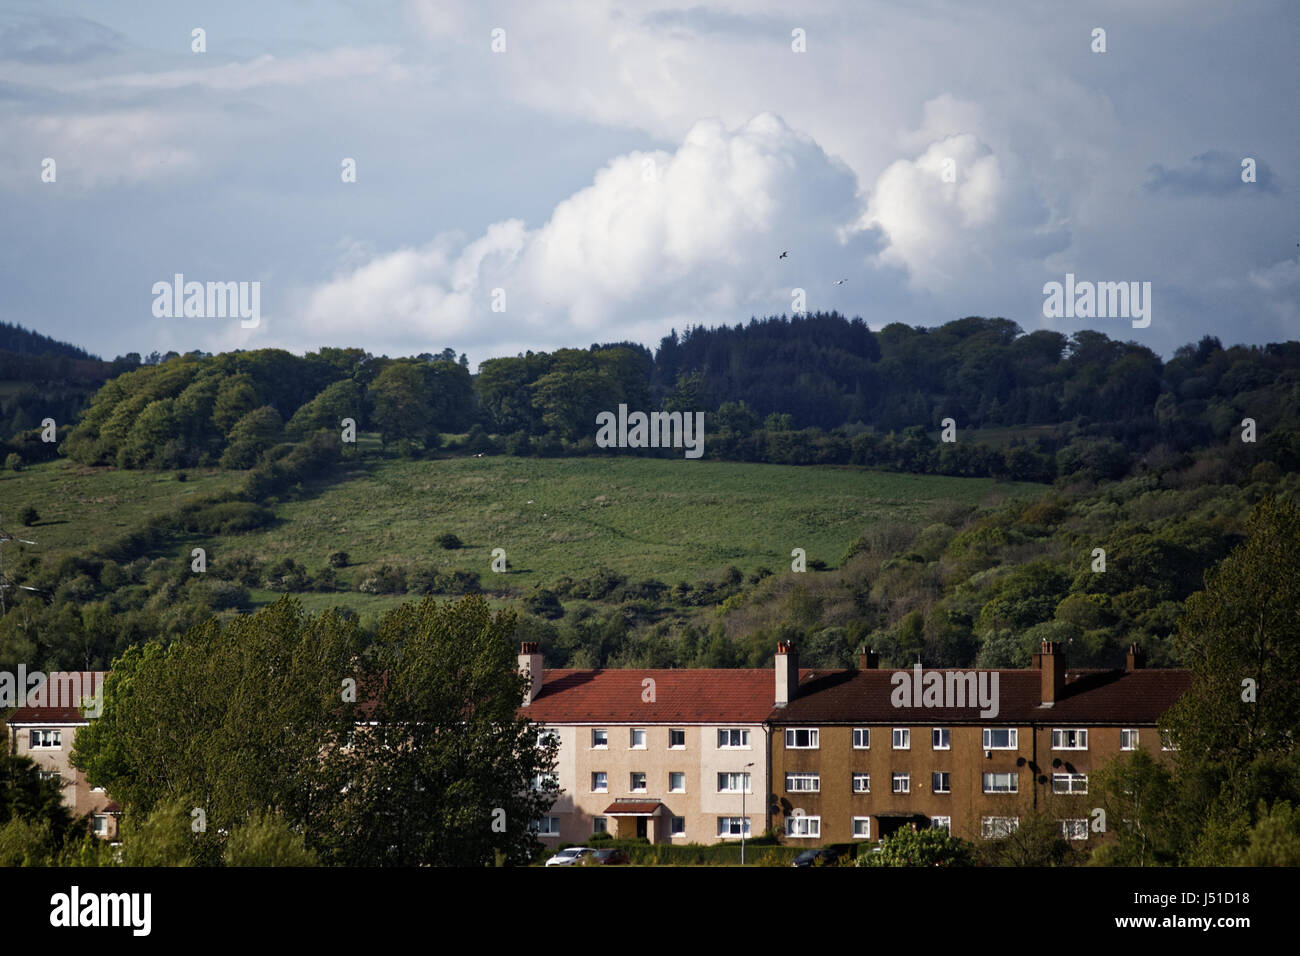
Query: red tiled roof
x=1089, y=697
x=685, y=696
x=621, y=808
x=53, y=690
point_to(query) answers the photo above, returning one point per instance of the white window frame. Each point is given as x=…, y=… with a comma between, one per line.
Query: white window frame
x=544, y=735
x=676, y=730
x=803, y=827
x=941, y=823
x=632, y=738
x=865, y=778
x=903, y=777
x=674, y=830
x=101, y=824
x=1012, y=777
x=861, y=836
x=676, y=773
x=1129, y=738
x=53, y=734
x=1013, y=737
x=604, y=744
x=631, y=782
x=1059, y=738
x=1074, y=829
x=861, y=738
x=904, y=734
x=729, y=732
x=947, y=775
x=726, y=778
x=1167, y=741
x=727, y=824
x=940, y=738
x=815, y=779
x=597, y=786
x=599, y=825
x=1072, y=782
x=552, y=825
x=989, y=824
x=792, y=738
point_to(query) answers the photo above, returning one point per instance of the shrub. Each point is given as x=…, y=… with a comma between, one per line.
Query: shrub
x=14, y=461
x=339, y=559
x=449, y=542
x=28, y=516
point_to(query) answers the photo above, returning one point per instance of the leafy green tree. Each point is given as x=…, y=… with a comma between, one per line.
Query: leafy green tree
x=335, y=402
x=1036, y=841
x=448, y=774
x=166, y=837
x=1275, y=838
x=25, y=843
x=1141, y=802
x=401, y=405
x=267, y=840
x=908, y=847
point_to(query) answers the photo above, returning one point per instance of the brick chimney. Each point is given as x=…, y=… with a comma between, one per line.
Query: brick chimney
x=1136, y=658
x=530, y=664
x=1051, y=662
x=868, y=660
x=787, y=673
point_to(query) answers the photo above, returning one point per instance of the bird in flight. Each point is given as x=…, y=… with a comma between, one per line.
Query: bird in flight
x=841, y=281
x=783, y=255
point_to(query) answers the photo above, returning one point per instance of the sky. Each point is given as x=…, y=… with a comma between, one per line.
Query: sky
x=539, y=175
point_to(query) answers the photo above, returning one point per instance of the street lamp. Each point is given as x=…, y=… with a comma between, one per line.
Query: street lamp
x=744, y=824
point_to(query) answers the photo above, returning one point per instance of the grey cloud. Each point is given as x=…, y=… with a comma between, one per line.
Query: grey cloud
x=1212, y=173
x=40, y=39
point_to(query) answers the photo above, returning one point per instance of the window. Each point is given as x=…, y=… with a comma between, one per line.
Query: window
x=862, y=783
x=801, y=739
x=676, y=740
x=101, y=824
x=677, y=783
x=1167, y=741
x=637, y=783
x=902, y=783
x=902, y=738
x=637, y=740
x=546, y=826
x=599, y=825
x=996, y=738
x=1128, y=740
x=1074, y=829
x=47, y=774
x=861, y=738
x=941, y=823
x=545, y=737
x=733, y=739
x=599, y=739
x=47, y=739
x=542, y=780
x=801, y=826
x=941, y=782
x=862, y=828
x=677, y=827
x=803, y=783
x=96, y=789
x=1001, y=782
x=1069, y=740
x=600, y=782
x=731, y=826
x=992, y=828
x=733, y=783
x=939, y=739
x=1069, y=783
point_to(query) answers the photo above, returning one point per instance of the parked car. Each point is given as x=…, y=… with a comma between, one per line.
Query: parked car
x=826, y=856
x=605, y=857
x=569, y=856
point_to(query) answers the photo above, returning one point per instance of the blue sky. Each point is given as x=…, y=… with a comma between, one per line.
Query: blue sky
x=621, y=169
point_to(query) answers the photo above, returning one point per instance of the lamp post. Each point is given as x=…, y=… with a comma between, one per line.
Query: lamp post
x=744, y=824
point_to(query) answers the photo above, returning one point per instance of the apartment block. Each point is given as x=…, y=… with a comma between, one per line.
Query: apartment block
x=44, y=731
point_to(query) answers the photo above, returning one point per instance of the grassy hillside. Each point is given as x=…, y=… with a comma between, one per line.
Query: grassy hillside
x=668, y=519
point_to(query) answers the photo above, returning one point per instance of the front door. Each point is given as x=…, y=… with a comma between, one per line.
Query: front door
x=641, y=827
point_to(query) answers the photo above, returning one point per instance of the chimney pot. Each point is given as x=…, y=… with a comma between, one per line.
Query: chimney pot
x=787, y=673
x=1052, y=665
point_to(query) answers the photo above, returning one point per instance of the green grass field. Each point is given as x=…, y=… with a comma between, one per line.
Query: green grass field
x=669, y=519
